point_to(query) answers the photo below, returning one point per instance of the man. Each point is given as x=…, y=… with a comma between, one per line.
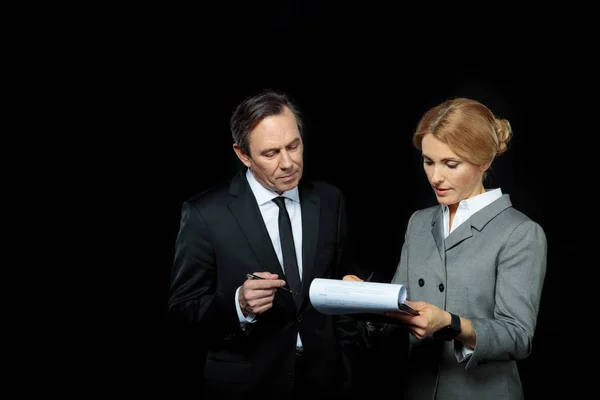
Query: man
x=264, y=341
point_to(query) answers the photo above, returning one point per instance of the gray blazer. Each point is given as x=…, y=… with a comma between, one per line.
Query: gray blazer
x=490, y=270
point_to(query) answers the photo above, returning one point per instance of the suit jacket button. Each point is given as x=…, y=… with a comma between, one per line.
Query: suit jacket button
x=441, y=287
x=421, y=282
x=299, y=318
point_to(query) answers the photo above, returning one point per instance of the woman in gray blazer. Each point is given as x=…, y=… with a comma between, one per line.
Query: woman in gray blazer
x=474, y=266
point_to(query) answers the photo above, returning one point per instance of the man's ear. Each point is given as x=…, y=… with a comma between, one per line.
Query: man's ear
x=244, y=158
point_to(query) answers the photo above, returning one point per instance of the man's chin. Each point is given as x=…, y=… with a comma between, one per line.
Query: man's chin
x=284, y=187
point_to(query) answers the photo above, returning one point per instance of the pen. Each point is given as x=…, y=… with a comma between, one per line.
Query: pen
x=370, y=276
x=252, y=276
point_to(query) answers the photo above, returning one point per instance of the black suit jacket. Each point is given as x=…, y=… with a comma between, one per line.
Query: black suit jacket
x=222, y=237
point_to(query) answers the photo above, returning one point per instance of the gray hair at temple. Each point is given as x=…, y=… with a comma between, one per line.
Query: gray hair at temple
x=253, y=110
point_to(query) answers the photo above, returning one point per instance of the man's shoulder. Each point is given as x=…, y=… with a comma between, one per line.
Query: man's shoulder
x=328, y=192
x=323, y=187
x=211, y=195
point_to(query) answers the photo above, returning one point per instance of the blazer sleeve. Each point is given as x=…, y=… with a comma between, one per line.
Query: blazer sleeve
x=193, y=296
x=520, y=277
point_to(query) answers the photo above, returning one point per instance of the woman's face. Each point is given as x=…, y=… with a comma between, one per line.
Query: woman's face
x=452, y=178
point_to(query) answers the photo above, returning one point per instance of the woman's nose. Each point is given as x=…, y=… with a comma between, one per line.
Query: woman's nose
x=436, y=176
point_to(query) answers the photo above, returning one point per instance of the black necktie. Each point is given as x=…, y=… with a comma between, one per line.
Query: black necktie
x=290, y=263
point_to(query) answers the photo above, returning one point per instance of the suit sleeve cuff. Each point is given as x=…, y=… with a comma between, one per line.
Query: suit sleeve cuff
x=244, y=320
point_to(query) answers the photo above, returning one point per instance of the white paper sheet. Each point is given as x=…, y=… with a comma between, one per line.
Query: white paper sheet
x=335, y=296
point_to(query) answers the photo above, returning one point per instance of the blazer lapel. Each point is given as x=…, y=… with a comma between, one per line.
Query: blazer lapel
x=480, y=219
x=246, y=211
x=311, y=209
x=477, y=221
x=437, y=230
x=458, y=235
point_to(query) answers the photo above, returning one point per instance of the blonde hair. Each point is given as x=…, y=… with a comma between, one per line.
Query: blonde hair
x=468, y=127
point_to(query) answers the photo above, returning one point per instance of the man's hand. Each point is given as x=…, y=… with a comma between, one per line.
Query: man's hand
x=256, y=295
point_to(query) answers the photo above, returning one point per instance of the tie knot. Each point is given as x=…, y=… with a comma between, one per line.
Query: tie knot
x=280, y=201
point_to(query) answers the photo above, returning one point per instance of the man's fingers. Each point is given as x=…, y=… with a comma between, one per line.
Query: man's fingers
x=259, y=309
x=264, y=284
x=257, y=294
x=259, y=305
x=266, y=275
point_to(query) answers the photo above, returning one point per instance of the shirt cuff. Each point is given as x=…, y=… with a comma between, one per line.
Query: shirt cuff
x=244, y=320
x=463, y=353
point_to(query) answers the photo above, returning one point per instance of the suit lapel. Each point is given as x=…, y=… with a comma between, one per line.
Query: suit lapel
x=476, y=221
x=458, y=235
x=246, y=212
x=311, y=209
x=437, y=230
x=481, y=218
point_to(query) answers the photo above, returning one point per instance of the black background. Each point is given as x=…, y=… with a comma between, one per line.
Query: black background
x=362, y=76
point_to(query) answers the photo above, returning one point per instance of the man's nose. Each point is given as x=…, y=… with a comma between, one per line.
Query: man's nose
x=285, y=160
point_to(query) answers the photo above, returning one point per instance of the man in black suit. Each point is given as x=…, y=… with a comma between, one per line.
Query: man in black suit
x=263, y=341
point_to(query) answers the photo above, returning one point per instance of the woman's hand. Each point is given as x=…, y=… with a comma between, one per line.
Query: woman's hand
x=430, y=319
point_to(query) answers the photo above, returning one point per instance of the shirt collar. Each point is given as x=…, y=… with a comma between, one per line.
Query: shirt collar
x=264, y=195
x=476, y=203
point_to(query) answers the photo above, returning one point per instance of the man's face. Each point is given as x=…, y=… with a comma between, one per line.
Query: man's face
x=276, y=150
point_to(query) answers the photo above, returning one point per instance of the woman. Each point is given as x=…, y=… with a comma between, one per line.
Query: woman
x=474, y=266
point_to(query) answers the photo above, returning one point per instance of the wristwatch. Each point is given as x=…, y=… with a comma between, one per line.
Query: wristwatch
x=449, y=332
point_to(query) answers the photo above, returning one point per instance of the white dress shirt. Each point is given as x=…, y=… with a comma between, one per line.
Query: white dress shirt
x=270, y=213
x=468, y=207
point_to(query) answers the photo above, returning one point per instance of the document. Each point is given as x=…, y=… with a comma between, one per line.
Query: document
x=336, y=296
